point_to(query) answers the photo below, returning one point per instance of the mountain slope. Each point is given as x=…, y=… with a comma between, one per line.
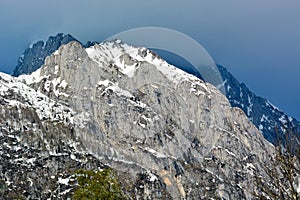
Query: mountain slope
x=139, y=114
x=39, y=149
x=260, y=111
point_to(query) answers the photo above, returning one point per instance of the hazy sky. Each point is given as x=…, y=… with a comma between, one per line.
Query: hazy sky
x=257, y=40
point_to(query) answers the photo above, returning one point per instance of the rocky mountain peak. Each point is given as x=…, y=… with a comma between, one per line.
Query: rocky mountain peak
x=34, y=56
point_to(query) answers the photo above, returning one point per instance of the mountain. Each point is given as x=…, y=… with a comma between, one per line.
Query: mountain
x=260, y=111
x=168, y=134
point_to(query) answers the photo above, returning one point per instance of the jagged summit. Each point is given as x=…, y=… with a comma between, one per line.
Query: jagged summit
x=34, y=56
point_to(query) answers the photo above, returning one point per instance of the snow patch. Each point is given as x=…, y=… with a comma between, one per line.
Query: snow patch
x=249, y=108
x=56, y=68
x=273, y=106
x=230, y=153
x=63, y=181
x=283, y=120
x=129, y=70
x=34, y=77
x=155, y=153
x=119, y=91
x=153, y=177
x=105, y=83
x=298, y=188
x=56, y=53
x=264, y=118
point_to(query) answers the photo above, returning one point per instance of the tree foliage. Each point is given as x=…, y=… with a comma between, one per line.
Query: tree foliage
x=97, y=185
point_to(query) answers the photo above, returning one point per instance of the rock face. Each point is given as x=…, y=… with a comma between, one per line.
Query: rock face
x=40, y=149
x=136, y=113
x=260, y=111
x=34, y=56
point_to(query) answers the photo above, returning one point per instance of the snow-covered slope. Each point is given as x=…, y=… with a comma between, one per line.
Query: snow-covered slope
x=19, y=95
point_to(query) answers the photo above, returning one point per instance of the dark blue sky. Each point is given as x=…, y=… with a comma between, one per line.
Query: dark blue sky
x=258, y=41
